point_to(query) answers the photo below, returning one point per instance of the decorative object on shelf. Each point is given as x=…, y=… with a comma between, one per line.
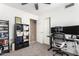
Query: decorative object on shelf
x=1, y=49
x=13, y=46
x=18, y=20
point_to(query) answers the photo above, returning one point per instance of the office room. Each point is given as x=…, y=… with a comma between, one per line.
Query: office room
x=39, y=29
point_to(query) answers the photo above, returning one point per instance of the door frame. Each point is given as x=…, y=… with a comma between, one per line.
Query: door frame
x=30, y=31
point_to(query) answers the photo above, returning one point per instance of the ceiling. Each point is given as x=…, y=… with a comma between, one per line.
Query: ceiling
x=43, y=8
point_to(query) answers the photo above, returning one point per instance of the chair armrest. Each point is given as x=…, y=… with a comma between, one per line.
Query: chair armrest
x=63, y=44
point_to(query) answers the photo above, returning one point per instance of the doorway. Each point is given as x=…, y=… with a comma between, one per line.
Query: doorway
x=33, y=30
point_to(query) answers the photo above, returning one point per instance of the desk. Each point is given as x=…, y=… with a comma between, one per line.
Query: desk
x=70, y=49
x=77, y=40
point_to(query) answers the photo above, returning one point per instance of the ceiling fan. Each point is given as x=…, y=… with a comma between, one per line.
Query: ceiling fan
x=35, y=4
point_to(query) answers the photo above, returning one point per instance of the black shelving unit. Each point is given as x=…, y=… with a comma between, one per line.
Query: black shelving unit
x=21, y=36
x=4, y=36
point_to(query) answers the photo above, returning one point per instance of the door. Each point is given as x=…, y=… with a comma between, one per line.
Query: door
x=32, y=30
x=46, y=31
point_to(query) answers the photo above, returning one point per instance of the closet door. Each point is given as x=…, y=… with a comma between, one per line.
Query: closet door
x=46, y=31
x=40, y=30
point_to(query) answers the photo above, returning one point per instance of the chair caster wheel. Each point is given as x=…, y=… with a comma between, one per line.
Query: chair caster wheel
x=53, y=55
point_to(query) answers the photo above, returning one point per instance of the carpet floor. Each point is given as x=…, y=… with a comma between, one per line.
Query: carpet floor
x=35, y=49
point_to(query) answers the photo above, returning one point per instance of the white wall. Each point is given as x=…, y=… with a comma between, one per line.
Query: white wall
x=9, y=13
x=60, y=16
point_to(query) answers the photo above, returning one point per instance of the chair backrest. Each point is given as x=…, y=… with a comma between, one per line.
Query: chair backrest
x=59, y=39
x=59, y=36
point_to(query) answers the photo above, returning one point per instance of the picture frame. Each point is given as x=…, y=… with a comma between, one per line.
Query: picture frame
x=18, y=20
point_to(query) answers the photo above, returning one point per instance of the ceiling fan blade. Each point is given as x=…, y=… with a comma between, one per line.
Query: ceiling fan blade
x=36, y=6
x=23, y=3
x=47, y=3
x=69, y=5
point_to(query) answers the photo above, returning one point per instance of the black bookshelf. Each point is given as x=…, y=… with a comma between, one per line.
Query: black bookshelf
x=4, y=36
x=21, y=36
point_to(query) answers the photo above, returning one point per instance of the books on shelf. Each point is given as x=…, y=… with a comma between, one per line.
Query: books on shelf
x=6, y=48
x=3, y=38
x=4, y=34
x=26, y=33
x=21, y=33
x=4, y=42
x=4, y=31
x=3, y=25
x=26, y=27
x=18, y=33
x=26, y=40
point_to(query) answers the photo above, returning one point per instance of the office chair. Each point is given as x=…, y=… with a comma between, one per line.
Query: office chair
x=59, y=42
